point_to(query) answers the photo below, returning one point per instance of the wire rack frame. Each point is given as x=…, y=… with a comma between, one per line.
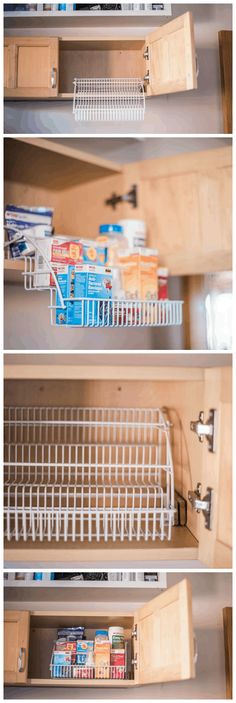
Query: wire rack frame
x=87, y=473
x=108, y=99
x=102, y=313
x=74, y=671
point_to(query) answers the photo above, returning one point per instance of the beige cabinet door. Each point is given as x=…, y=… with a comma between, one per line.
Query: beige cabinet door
x=215, y=545
x=33, y=67
x=16, y=646
x=7, y=64
x=186, y=201
x=165, y=648
x=171, y=62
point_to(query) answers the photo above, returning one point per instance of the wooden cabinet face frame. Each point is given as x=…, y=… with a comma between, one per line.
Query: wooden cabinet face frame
x=166, y=56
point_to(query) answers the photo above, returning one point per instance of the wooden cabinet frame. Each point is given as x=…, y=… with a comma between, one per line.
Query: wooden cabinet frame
x=186, y=391
x=162, y=632
x=165, y=60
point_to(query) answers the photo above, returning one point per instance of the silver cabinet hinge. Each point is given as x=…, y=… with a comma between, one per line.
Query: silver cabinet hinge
x=146, y=53
x=202, y=504
x=134, y=632
x=134, y=661
x=206, y=429
x=147, y=77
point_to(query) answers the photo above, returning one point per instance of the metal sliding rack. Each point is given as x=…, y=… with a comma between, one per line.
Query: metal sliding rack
x=101, y=313
x=39, y=276
x=74, y=671
x=87, y=474
x=108, y=99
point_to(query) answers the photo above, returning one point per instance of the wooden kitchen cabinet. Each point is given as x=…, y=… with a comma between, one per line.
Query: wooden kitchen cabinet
x=184, y=199
x=160, y=633
x=46, y=67
x=184, y=392
x=31, y=67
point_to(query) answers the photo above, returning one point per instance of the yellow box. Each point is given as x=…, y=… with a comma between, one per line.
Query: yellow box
x=139, y=273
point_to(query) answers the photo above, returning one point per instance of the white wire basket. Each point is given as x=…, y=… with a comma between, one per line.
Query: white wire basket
x=74, y=671
x=108, y=99
x=87, y=474
x=102, y=313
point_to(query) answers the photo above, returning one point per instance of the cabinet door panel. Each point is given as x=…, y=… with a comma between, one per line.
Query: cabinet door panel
x=165, y=637
x=34, y=67
x=215, y=546
x=186, y=202
x=16, y=646
x=7, y=64
x=171, y=62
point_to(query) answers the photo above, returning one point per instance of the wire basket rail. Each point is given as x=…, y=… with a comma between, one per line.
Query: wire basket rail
x=87, y=474
x=108, y=99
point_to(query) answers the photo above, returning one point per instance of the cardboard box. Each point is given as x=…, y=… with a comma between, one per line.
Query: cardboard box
x=102, y=659
x=65, y=251
x=139, y=273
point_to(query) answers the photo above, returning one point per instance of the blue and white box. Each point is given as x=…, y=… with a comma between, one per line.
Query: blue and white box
x=37, y=220
x=88, y=281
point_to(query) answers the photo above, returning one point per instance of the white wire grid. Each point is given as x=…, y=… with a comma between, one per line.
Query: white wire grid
x=108, y=99
x=100, y=313
x=73, y=671
x=87, y=474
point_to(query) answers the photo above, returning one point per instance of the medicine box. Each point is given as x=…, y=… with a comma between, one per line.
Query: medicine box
x=80, y=282
x=37, y=221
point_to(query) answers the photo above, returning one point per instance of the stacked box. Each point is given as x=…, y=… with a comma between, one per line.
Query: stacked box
x=83, y=281
x=36, y=219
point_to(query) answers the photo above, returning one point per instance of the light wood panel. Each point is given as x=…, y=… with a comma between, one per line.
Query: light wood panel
x=215, y=546
x=16, y=643
x=32, y=62
x=187, y=204
x=70, y=372
x=50, y=167
x=7, y=64
x=225, y=49
x=13, y=271
x=181, y=547
x=165, y=637
x=99, y=59
x=171, y=61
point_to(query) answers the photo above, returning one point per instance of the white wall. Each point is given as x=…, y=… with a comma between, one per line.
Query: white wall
x=197, y=111
x=211, y=593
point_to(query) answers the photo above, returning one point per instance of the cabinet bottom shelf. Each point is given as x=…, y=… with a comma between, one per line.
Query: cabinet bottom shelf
x=183, y=545
x=78, y=682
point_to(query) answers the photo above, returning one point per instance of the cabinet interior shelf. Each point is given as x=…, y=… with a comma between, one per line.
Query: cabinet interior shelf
x=13, y=270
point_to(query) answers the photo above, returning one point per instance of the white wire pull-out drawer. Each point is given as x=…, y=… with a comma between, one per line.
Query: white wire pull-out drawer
x=104, y=313
x=87, y=474
x=108, y=99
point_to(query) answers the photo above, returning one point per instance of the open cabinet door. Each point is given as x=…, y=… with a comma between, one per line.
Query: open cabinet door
x=165, y=637
x=215, y=545
x=16, y=646
x=171, y=57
